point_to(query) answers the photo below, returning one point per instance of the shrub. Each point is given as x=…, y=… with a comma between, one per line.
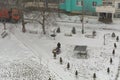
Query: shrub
x=111, y=61
x=76, y=73
x=58, y=30
x=94, y=75
x=113, y=35
x=73, y=30
x=49, y=79
x=108, y=70
x=94, y=33
x=68, y=65
x=113, y=52
x=117, y=38
x=115, y=46
x=61, y=61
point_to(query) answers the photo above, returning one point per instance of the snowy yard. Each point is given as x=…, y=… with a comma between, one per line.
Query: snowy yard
x=17, y=62
x=28, y=56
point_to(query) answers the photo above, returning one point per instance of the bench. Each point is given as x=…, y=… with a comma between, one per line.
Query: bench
x=4, y=34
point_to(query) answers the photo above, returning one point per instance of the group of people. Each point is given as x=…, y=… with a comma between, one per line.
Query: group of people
x=57, y=50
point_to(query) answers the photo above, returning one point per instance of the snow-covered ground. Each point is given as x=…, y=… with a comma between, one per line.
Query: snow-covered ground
x=17, y=61
x=28, y=56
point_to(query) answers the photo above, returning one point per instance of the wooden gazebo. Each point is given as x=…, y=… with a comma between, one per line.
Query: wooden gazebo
x=81, y=51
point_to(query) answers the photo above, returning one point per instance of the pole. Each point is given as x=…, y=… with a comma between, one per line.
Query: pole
x=4, y=23
x=18, y=2
x=58, y=9
x=104, y=39
x=82, y=17
x=46, y=3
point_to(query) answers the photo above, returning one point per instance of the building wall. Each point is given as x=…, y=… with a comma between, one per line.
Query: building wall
x=117, y=11
x=108, y=2
x=71, y=5
x=74, y=6
x=114, y=4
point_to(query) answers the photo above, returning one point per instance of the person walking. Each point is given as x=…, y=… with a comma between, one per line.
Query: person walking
x=58, y=45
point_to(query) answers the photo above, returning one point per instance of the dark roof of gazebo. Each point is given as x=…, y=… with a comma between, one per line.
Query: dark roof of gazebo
x=80, y=48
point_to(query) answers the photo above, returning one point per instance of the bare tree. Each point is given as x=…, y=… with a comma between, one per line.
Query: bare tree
x=40, y=11
x=44, y=16
x=20, y=6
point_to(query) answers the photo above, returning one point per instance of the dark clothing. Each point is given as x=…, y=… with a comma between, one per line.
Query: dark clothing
x=58, y=45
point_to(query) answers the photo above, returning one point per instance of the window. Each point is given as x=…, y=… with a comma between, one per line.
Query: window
x=118, y=5
x=94, y=3
x=79, y=3
x=107, y=3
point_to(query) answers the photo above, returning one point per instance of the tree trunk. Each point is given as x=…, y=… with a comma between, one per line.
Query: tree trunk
x=4, y=25
x=43, y=25
x=23, y=27
x=23, y=24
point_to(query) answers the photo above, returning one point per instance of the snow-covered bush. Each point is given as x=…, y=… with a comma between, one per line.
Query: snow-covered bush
x=73, y=30
x=68, y=65
x=115, y=46
x=117, y=38
x=111, y=61
x=58, y=30
x=113, y=35
x=108, y=70
x=94, y=33
x=94, y=75
x=76, y=73
x=49, y=79
x=113, y=52
x=61, y=61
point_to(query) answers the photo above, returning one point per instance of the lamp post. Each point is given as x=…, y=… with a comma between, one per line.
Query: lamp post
x=45, y=5
x=104, y=39
x=4, y=23
x=58, y=8
x=82, y=17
